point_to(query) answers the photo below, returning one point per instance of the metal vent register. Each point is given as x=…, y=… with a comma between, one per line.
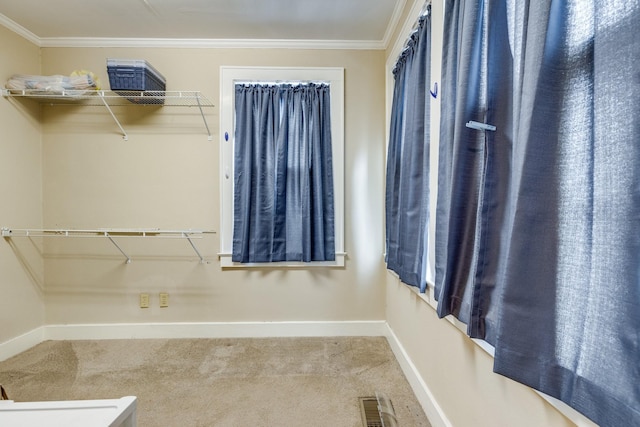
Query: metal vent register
x=377, y=411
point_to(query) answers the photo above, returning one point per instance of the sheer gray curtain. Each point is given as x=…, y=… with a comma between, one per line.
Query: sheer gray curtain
x=542, y=260
x=407, y=186
x=283, y=176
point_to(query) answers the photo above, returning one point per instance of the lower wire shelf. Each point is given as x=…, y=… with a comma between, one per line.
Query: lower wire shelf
x=111, y=234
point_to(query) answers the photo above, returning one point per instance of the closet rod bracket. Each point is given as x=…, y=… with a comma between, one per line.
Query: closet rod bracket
x=117, y=246
x=113, y=116
x=188, y=237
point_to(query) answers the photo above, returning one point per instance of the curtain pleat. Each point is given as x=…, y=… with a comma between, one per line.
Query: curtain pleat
x=474, y=165
x=283, y=175
x=407, y=182
x=536, y=235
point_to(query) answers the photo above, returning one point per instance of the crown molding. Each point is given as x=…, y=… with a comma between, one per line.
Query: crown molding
x=19, y=29
x=211, y=43
x=97, y=42
x=393, y=22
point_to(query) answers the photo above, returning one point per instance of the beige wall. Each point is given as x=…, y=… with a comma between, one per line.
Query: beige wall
x=167, y=176
x=21, y=270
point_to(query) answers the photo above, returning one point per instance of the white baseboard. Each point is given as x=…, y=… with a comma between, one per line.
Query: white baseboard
x=214, y=330
x=434, y=412
x=21, y=343
x=371, y=328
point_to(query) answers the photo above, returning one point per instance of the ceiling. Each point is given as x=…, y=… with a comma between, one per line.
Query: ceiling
x=364, y=22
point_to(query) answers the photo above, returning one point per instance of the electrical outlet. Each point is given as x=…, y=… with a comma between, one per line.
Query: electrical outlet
x=144, y=300
x=164, y=299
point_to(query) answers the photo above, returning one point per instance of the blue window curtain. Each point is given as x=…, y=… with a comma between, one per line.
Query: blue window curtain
x=407, y=183
x=283, y=175
x=473, y=164
x=537, y=227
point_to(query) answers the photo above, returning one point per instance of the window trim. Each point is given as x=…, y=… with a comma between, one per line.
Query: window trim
x=228, y=77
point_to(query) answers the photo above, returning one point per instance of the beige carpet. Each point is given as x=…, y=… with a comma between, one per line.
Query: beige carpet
x=220, y=382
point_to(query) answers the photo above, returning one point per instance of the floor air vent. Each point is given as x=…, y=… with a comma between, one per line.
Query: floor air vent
x=377, y=411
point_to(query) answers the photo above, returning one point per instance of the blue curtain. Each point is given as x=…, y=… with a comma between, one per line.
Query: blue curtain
x=473, y=165
x=283, y=176
x=407, y=185
x=537, y=227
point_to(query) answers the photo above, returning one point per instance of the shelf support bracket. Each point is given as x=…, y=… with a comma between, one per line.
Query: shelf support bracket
x=186, y=235
x=204, y=119
x=106, y=104
x=119, y=248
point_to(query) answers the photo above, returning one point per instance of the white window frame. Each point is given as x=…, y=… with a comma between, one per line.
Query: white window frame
x=228, y=77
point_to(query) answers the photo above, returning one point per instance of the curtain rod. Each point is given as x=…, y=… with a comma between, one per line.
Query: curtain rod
x=280, y=82
x=424, y=11
x=425, y=7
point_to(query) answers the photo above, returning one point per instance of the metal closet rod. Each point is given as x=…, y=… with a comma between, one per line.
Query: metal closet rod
x=110, y=233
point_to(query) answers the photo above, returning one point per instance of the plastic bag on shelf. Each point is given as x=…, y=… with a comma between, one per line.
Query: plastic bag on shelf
x=80, y=80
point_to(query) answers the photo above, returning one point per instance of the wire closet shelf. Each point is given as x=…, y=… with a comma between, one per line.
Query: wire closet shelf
x=109, y=99
x=111, y=234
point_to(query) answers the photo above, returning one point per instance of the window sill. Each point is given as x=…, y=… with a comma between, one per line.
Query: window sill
x=226, y=262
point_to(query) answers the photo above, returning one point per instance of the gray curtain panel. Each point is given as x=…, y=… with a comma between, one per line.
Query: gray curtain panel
x=407, y=182
x=537, y=228
x=283, y=175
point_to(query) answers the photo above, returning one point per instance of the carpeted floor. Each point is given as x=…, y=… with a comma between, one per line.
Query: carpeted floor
x=220, y=382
